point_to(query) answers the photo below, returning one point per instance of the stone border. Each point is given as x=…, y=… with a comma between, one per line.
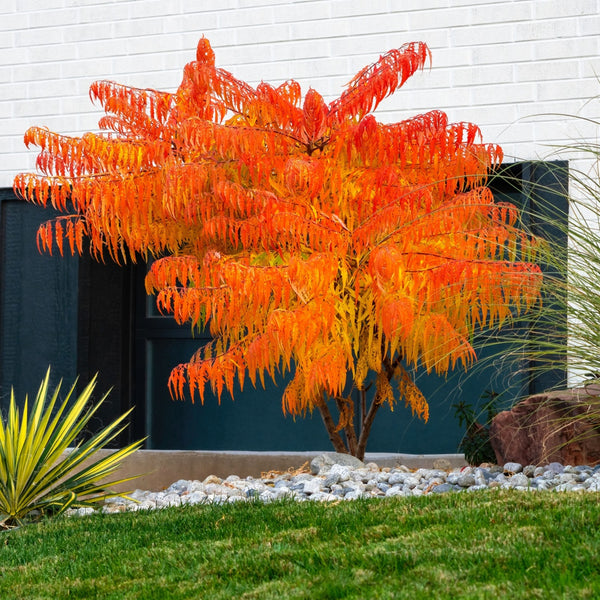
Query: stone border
x=161, y=468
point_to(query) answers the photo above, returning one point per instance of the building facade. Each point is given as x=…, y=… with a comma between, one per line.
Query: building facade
x=514, y=68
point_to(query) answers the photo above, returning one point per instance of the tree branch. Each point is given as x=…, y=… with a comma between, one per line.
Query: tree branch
x=349, y=430
x=334, y=436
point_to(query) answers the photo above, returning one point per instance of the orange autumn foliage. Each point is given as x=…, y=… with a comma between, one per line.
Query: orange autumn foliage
x=307, y=236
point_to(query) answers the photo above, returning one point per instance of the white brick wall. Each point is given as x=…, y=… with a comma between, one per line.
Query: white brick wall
x=505, y=65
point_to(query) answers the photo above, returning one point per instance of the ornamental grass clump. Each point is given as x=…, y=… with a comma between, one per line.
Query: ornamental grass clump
x=563, y=331
x=36, y=480
x=558, y=340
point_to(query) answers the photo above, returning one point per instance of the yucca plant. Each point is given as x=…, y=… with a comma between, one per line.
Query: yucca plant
x=35, y=478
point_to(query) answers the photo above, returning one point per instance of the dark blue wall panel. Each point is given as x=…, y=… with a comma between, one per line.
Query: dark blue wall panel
x=38, y=304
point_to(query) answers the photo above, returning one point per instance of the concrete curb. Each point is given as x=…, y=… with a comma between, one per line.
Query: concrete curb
x=161, y=468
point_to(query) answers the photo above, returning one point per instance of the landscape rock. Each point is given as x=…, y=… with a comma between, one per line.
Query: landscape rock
x=513, y=467
x=555, y=467
x=518, y=480
x=442, y=488
x=466, y=480
x=359, y=483
x=559, y=426
x=322, y=463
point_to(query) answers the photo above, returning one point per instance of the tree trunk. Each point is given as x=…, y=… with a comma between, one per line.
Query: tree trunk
x=368, y=419
x=356, y=442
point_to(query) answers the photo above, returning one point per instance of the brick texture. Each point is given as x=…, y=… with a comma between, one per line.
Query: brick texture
x=505, y=65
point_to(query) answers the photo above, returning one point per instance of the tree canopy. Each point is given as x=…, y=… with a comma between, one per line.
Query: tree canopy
x=307, y=236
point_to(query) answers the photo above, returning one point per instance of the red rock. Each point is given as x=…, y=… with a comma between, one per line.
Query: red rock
x=559, y=426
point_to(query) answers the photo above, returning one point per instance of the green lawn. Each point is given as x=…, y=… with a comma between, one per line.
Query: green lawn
x=487, y=544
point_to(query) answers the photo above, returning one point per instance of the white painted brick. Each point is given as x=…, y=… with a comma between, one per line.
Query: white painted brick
x=278, y=72
x=589, y=26
x=503, y=53
x=494, y=62
x=37, y=5
x=259, y=53
x=488, y=4
x=77, y=104
x=547, y=70
x=6, y=73
x=37, y=72
x=590, y=68
x=430, y=79
x=6, y=113
x=546, y=9
x=197, y=22
x=422, y=100
x=147, y=44
x=478, y=75
x=81, y=68
x=7, y=40
x=395, y=22
x=249, y=17
x=500, y=12
x=559, y=90
x=35, y=108
x=517, y=92
x=13, y=128
x=120, y=65
x=299, y=50
x=8, y=6
x=433, y=19
x=53, y=18
x=13, y=163
x=373, y=46
x=518, y=132
x=546, y=29
x=14, y=21
x=50, y=53
x=96, y=49
x=154, y=8
x=107, y=12
x=11, y=56
x=252, y=3
x=39, y=37
x=419, y=5
x=302, y=11
x=482, y=34
x=51, y=88
x=208, y=6
x=263, y=34
x=353, y=8
x=84, y=32
x=316, y=30
x=504, y=114
x=564, y=48
x=253, y=74
x=450, y=57
x=139, y=27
